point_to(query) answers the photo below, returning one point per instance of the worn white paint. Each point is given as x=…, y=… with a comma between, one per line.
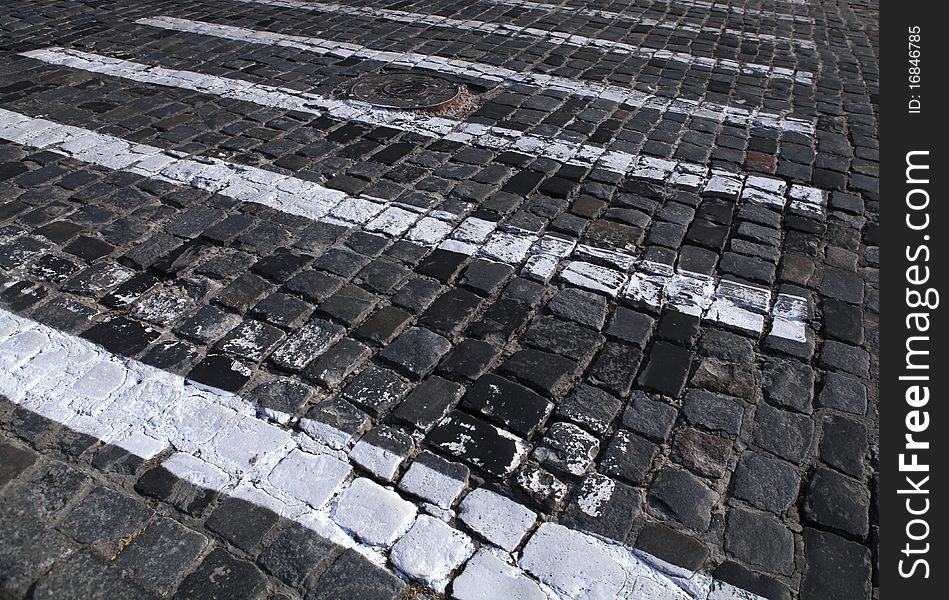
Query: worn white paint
x=789, y=317
x=553, y=37
x=731, y=115
x=740, y=305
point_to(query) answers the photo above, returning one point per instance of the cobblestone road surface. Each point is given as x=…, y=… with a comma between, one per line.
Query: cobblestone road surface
x=604, y=327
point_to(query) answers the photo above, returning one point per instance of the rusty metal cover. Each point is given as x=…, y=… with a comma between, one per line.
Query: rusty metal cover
x=405, y=90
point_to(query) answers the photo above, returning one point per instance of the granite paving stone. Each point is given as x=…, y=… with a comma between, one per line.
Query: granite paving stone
x=376, y=390
x=604, y=507
x=242, y=523
x=86, y=575
x=545, y=372
x=161, y=554
x=222, y=574
x=295, y=553
x=667, y=368
x=333, y=366
x=417, y=351
x=835, y=566
x=837, y=501
x=648, y=417
x=784, y=433
x=567, y=448
x=702, y=453
x=428, y=403
x=355, y=576
x=479, y=443
x=676, y=494
x=508, y=404
x=715, y=412
x=844, y=444
x=759, y=539
x=768, y=483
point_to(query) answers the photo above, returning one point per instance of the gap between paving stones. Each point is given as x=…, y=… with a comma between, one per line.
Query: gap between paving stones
x=150, y=414
x=729, y=302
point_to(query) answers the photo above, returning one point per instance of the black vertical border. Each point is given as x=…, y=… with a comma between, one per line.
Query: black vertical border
x=902, y=132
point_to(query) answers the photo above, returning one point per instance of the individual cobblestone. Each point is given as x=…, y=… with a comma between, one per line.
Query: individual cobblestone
x=374, y=514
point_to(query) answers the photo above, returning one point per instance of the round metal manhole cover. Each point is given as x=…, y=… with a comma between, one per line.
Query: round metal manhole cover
x=405, y=90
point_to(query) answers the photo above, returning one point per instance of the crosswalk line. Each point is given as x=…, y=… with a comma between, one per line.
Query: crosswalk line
x=450, y=66
x=660, y=171
x=540, y=256
x=713, y=5
x=553, y=37
x=649, y=22
x=214, y=440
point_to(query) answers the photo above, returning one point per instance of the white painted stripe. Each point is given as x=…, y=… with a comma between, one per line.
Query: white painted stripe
x=553, y=37
x=664, y=24
x=452, y=66
x=661, y=171
x=738, y=10
x=215, y=441
x=539, y=255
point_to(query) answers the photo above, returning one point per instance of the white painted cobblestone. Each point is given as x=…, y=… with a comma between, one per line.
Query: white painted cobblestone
x=808, y=199
x=740, y=305
x=140, y=445
x=789, y=318
x=431, y=551
x=578, y=566
x=246, y=442
x=496, y=518
x=348, y=210
x=594, y=277
x=309, y=478
x=487, y=577
x=713, y=5
x=381, y=462
x=196, y=471
x=325, y=434
x=425, y=482
x=100, y=381
x=511, y=246
x=376, y=515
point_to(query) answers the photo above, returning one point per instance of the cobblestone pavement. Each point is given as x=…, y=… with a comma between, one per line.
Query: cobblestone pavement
x=605, y=327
